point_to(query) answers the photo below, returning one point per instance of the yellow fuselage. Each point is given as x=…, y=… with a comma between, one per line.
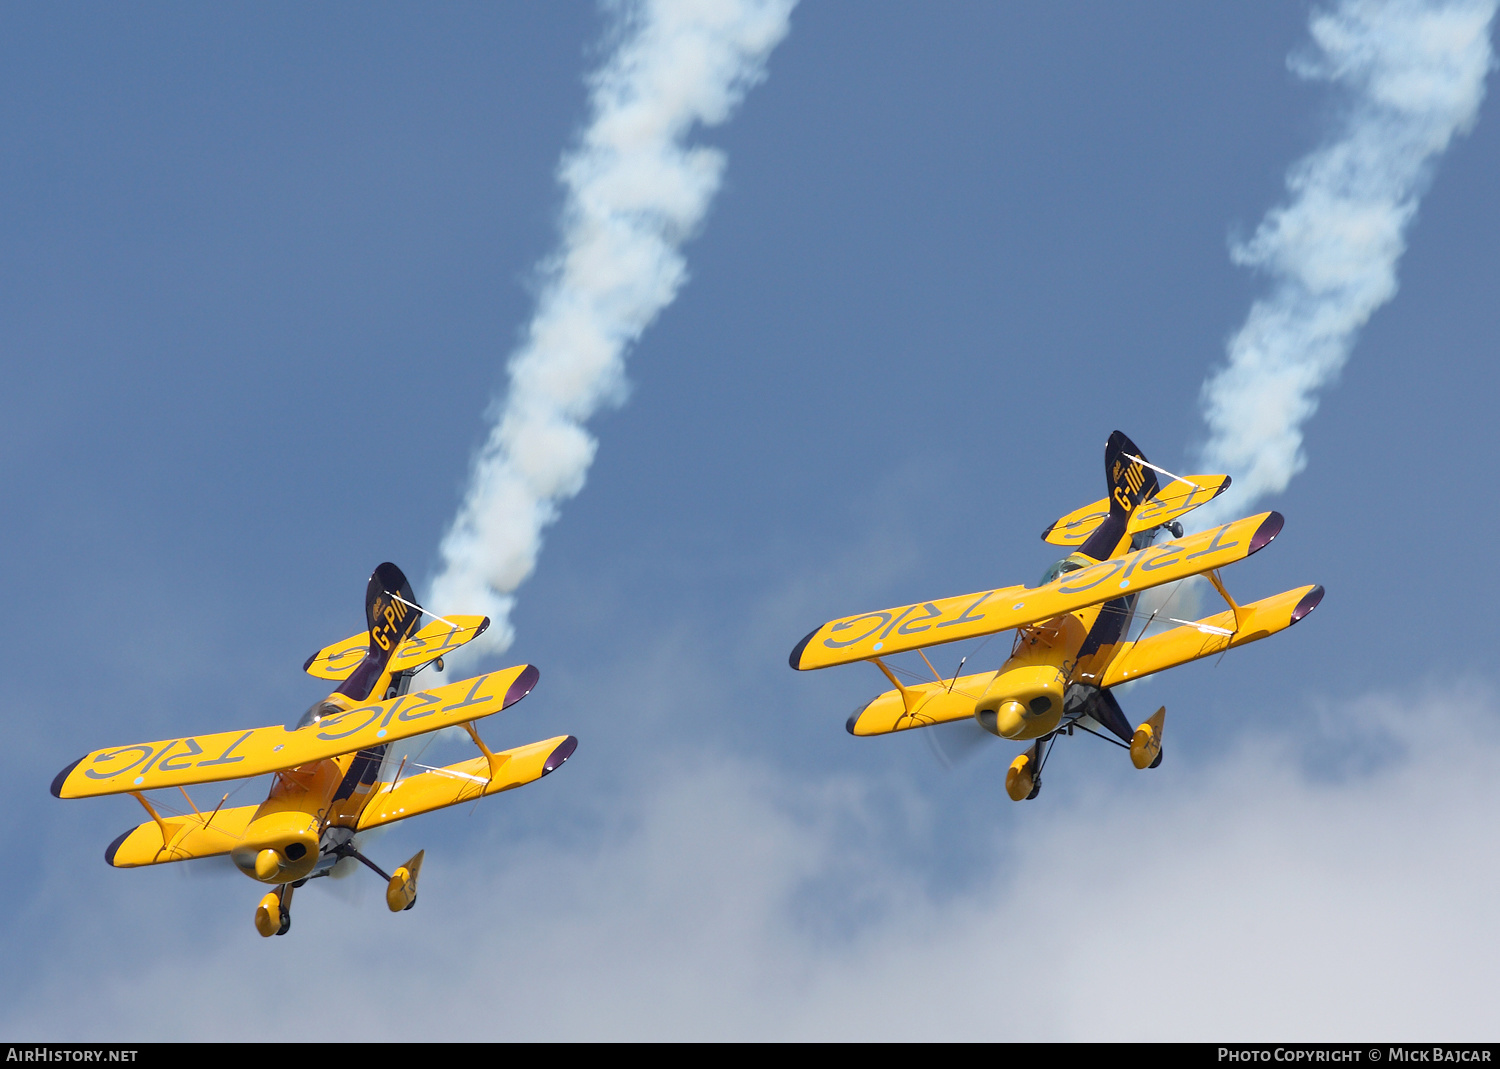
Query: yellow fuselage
x=1024, y=700
x=281, y=842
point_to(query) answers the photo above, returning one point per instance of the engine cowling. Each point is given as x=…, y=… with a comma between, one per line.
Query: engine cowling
x=1022, y=703
x=278, y=847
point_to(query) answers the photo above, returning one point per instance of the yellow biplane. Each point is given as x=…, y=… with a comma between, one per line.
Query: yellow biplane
x=1073, y=629
x=328, y=783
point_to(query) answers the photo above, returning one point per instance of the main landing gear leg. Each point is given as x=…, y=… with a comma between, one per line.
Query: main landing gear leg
x=1023, y=780
x=273, y=916
x=1044, y=750
x=401, y=888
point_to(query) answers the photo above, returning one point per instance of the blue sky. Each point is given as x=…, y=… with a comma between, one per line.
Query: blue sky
x=260, y=270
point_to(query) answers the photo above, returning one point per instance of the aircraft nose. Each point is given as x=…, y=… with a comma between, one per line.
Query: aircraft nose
x=267, y=864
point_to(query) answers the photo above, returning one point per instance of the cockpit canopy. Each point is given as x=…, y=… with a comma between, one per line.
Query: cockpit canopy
x=1071, y=563
x=317, y=711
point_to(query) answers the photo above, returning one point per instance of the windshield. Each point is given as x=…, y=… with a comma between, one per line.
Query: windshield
x=1067, y=564
x=317, y=711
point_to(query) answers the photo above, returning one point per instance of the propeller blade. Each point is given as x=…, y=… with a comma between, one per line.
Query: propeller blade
x=954, y=743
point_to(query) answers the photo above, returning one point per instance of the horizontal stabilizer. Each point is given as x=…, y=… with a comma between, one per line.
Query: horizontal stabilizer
x=191, y=836
x=438, y=788
x=908, y=627
x=1175, y=499
x=146, y=766
x=437, y=639
x=1211, y=635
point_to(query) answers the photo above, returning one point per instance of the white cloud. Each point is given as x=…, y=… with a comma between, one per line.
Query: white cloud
x=1336, y=885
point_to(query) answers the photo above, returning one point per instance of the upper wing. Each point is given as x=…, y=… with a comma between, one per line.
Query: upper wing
x=1165, y=505
x=146, y=766
x=908, y=627
x=339, y=660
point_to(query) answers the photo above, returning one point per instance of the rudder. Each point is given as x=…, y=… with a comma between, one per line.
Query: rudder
x=391, y=615
x=1130, y=483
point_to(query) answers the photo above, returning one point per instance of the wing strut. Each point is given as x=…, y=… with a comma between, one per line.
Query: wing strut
x=907, y=702
x=166, y=836
x=494, y=761
x=1218, y=582
x=215, y=813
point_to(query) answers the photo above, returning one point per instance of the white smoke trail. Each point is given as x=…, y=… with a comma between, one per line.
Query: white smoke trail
x=1414, y=73
x=635, y=192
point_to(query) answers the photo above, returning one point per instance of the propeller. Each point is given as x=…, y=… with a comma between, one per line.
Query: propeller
x=209, y=868
x=338, y=883
x=956, y=742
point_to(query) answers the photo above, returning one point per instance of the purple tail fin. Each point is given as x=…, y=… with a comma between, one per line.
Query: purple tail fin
x=1130, y=482
x=391, y=614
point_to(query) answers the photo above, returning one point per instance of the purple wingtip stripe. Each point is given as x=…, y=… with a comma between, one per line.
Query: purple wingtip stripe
x=558, y=756
x=854, y=719
x=109, y=851
x=61, y=777
x=1308, y=603
x=522, y=686
x=484, y=625
x=1222, y=486
x=311, y=658
x=795, y=660
x=1269, y=528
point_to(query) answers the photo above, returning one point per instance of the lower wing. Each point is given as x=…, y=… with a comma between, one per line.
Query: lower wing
x=920, y=705
x=1211, y=635
x=180, y=838
x=437, y=788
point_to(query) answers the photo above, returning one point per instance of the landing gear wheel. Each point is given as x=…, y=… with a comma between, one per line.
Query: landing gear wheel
x=413, y=902
x=1034, y=792
x=1153, y=764
x=286, y=923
